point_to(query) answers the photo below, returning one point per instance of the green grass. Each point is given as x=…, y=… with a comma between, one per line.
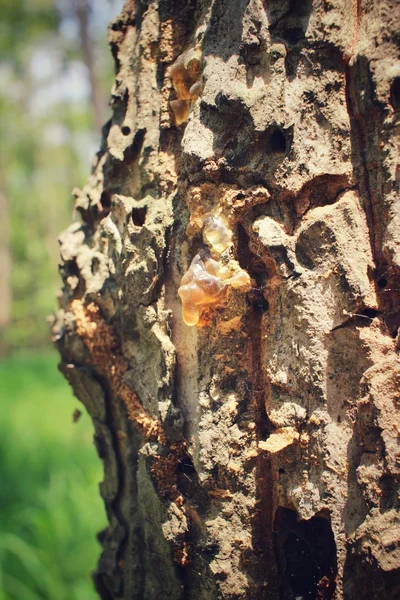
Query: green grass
x=50, y=509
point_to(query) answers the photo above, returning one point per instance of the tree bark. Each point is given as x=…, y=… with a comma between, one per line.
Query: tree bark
x=252, y=453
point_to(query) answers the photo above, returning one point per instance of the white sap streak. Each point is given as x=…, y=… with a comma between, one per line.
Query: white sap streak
x=185, y=340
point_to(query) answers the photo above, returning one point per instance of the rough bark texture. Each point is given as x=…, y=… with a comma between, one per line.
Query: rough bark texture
x=254, y=455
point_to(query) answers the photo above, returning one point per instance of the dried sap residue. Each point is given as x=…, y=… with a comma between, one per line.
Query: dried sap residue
x=207, y=278
x=216, y=234
x=186, y=79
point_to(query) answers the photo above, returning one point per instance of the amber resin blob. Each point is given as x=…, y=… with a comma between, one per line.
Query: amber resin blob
x=208, y=276
x=186, y=80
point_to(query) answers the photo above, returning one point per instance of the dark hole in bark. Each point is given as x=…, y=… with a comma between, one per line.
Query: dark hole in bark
x=281, y=471
x=371, y=313
x=105, y=201
x=278, y=142
x=186, y=466
x=382, y=282
x=301, y=569
x=257, y=270
x=125, y=130
x=95, y=265
x=395, y=93
x=72, y=268
x=211, y=549
x=306, y=556
x=139, y=216
x=187, y=477
x=132, y=152
x=255, y=298
x=249, y=261
x=294, y=35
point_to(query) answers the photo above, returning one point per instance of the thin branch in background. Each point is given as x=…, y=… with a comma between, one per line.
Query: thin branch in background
x=82, y=10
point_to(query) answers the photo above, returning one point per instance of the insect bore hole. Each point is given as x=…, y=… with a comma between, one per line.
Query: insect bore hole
x=278, y=143
x=139, y=216
x=105, y=201
x=382, y=283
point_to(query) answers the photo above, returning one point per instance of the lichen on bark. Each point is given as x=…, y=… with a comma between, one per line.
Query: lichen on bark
x=255, y=454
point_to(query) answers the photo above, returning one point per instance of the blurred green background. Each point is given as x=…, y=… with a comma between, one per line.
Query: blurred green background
x=55, y=75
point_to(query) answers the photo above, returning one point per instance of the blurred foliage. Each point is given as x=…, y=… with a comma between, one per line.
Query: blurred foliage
x=23, y=21
x=47, y=139
x=50, y=507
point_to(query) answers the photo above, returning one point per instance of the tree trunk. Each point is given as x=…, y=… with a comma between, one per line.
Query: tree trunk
x=250, y=446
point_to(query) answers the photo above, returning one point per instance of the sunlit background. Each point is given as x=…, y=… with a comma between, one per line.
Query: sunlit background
x=55, y=75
